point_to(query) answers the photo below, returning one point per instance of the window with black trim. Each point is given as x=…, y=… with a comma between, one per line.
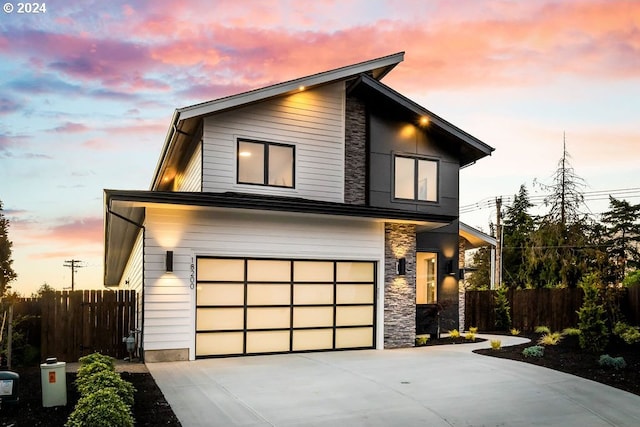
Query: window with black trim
x=416, y=179
x=265, y=163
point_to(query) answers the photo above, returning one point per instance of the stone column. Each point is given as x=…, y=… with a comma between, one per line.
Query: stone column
x=399, y=291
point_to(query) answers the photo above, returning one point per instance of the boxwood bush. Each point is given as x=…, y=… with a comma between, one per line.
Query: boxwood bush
x=102, y=408
x=108, y=379
x=105, y=398
x=97, y=357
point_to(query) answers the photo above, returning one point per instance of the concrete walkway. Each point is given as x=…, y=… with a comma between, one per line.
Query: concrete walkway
x=427, y=386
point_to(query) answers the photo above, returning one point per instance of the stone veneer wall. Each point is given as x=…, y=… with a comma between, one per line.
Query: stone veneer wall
x=355, y=166
x=399, y=291
x=462, y=247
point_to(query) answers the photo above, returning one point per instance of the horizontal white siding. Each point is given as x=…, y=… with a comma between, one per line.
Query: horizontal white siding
x=169, y=299
x=133, y=275
x=311, y=120
x=191, y=178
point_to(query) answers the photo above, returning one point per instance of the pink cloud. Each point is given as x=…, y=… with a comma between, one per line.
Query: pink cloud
x=76, y=231
x=27, y=230
x=176, y=46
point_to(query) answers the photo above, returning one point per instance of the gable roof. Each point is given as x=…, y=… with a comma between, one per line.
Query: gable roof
x=475, y=237
x=469, y=147
x=184, y=123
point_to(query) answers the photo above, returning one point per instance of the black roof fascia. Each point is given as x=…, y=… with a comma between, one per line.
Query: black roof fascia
x=410, y=105
x=232, y=200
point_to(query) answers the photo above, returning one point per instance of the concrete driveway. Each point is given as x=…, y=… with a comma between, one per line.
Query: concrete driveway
x=428, y=386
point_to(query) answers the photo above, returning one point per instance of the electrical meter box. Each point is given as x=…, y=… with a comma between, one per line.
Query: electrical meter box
x=54, y=383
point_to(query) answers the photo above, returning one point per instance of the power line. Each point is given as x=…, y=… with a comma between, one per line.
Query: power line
x=588, y=196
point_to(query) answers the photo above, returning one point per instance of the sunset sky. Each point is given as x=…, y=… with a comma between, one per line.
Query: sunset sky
x=87, y=90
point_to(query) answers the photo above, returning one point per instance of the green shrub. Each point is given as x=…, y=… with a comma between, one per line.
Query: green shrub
x=103, y=408
x=571, y=332
x=496, y=344
x=542, y=330
x=609, y=362
x=454, y=333
x=628, y=333
x=533, y=351
x=632, y=279
x=502, y=310
x=108, y=379
x=470, y=336
x=594, y=335
x=97, y=357
x=422, y=340
x=85, y=372
x=550, y=339
x=515, y=331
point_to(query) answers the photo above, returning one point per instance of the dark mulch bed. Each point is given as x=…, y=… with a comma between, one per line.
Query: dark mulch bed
x=449, y=340
x=568, y=357
x=150, y=407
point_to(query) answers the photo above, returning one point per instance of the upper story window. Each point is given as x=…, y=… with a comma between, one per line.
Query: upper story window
x=265, y=163
x=416, y=179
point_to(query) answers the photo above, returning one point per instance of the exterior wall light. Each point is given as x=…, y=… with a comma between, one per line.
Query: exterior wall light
x=169, y=262
x=449, y=268
x=401, y=267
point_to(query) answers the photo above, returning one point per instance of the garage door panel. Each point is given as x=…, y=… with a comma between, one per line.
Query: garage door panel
x=354, y=272
x=268, y=271
x=220, y=294
x=219, y=343
x=354, y=337
x=268, y=317
x=307, y=293
x=313, y=271
x=354, y=294
x=219, y=318
x=312, y=339
x=220, y=269
x=356, y=315
x=268, y=294
x=267, y=341
x=307, y=317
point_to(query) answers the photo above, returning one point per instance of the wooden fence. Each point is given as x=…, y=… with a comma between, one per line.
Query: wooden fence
x=74, y=324
x=633, y=305
x=555, y=308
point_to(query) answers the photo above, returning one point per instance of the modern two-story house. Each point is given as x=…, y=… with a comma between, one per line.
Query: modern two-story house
x=314, y=214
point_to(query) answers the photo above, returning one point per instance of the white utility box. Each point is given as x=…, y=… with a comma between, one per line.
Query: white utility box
x=54, y=383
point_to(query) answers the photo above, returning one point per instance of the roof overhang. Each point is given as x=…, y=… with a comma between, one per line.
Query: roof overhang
x=125, y=212
x=475, y=237
x=469, y=148
x=186, y=120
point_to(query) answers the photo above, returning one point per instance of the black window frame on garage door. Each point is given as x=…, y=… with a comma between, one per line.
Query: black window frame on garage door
x=346, y=289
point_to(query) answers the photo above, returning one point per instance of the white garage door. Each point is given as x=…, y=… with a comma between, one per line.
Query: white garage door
x=253, y=306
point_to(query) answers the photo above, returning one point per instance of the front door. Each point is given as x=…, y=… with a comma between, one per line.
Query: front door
x=426, y=293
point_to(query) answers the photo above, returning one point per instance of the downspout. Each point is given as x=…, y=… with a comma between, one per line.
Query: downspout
x=144, y=231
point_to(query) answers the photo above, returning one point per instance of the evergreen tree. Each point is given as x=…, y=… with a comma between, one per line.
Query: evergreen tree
x=502, y=309
x=6, y=270
x=557, y=254
x=594, y=334
x=480, y=279
x=517, y=229
x=621, y=237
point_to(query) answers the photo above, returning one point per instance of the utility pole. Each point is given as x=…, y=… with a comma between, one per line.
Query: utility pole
x=498, y=263
x=73, y=264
